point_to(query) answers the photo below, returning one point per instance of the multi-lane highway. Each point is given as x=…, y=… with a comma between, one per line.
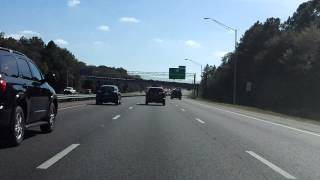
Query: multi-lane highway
x=182, y=140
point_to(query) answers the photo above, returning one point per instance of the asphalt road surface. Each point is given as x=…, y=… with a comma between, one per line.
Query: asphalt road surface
x=182, y=140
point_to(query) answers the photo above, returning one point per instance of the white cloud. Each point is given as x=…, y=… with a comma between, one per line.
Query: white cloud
x=158, y=40
x=61, y=42
x=14, y=36
x=24, y=33
x=103, y=28
x=98, y=43
x=129, y=19
x=73, y=3
x=29, y=32
x=193, y=44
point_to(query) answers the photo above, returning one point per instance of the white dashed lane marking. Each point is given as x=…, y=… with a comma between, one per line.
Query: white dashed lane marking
x=271, y=165
x=57, y=157
x=200, y=121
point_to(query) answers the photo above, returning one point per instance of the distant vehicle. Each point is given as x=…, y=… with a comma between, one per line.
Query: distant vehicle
x=176, y=93
x=108, y=93
x=167, y=92
x=69, y=90
x=26, y=99
x=87, y=91
x=156, y=95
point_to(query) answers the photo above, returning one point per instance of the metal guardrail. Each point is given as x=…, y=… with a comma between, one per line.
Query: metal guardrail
x=78, y=97
x=83, y=97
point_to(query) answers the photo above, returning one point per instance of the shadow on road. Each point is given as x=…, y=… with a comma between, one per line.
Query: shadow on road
x=153, y=104
x=5, y=144
x=104, y=104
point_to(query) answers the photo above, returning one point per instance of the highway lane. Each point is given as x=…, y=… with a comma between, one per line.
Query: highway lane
x=151, y=142
x=296, y=150
x=73, y=123
x=183, y=140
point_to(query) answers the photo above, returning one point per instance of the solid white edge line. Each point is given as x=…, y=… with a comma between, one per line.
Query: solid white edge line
x=57, y=157
x=71, y=107
x=273, y=123
x=265, y=121
x=199, y=120
x=271, y=165
x=116, y=117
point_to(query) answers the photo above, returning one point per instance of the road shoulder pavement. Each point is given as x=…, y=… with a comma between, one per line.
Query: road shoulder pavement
x=292, y=122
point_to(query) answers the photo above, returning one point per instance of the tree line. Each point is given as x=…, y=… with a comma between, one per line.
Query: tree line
x=278, y=66
x=53, y=59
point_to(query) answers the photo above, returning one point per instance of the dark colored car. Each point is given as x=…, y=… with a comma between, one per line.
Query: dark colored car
x=156, y=95
x=26, y=99
x=176, y=93
x=108, y=93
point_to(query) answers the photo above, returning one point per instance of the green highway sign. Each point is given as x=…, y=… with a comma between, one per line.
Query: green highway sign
x=177, y=73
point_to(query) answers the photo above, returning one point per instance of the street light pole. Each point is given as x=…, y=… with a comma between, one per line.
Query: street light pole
x=67, y=78
x=235, y=61
x=195, y=62
x=194, y=81
x=235, y=70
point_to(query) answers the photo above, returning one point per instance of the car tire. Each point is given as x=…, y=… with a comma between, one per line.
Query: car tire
x=50, y=119
x=147, y=102
x=163, y=103
x=17, y=129
x=118, y=102
x=98, y=102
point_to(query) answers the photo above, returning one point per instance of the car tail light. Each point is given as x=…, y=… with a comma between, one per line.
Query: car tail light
x=3, y=85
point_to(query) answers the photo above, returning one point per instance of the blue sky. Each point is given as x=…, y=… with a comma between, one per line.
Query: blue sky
x=140, y=35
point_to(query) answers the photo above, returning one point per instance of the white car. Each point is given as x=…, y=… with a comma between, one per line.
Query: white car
x=69, y=90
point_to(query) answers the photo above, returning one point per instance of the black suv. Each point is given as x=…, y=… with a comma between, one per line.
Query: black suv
x=26, y=99
x=176, y=93
x=156, y=94
x=108, y=93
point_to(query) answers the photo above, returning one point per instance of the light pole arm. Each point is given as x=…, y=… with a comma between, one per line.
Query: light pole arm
x=195, y=62
x=221, y=24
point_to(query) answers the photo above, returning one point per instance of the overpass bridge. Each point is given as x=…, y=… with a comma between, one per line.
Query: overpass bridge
x=131, y=84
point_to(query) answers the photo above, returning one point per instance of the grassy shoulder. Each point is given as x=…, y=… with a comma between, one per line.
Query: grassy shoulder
x=258, y=110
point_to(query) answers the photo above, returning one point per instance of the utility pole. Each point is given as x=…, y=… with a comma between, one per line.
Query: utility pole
x=235, y=70
x=194, y=84
x=67, y=78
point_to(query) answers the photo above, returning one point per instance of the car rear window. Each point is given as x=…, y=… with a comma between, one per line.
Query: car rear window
x=8, y=65
x=107, y=89
x=155, y=90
